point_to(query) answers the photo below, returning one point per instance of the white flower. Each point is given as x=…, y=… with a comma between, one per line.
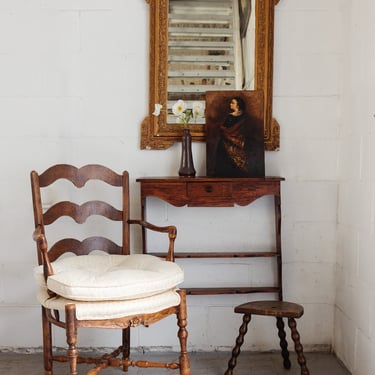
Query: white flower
x=182, y=113
x=179, y=108
x=157, y=109
x=198, y=109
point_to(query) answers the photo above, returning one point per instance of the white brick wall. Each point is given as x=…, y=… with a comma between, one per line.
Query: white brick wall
x=74, y=89
x=355, y=303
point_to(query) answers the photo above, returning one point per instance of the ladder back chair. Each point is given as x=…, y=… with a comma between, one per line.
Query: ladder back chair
x=96, y=282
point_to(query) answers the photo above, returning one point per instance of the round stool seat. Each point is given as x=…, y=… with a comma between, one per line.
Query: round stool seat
x=281, y=309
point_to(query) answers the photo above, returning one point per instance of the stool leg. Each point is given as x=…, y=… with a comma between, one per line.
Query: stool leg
x=239, y=341
x=283, y=343
x=298, y=346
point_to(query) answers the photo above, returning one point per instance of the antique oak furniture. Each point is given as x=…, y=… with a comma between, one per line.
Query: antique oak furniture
x=279, y=310
x=227, y=192
x=96, y=281
x=173, y=41
x=218, y=192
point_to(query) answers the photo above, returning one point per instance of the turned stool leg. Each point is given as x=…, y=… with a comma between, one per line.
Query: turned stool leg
x=239, y=341
x=283, y=343
x=298, y=346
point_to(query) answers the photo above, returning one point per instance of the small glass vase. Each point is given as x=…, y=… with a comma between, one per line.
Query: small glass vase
x=187, y=164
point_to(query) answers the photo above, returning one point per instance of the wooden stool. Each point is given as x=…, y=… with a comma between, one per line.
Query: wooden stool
x=280, y=310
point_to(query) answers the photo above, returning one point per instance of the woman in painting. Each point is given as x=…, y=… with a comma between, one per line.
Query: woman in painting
x=240, y=150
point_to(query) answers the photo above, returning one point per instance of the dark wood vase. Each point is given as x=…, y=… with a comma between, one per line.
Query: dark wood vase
x=187, y=164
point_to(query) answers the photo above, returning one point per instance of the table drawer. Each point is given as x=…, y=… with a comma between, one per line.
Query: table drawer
x=207, y=189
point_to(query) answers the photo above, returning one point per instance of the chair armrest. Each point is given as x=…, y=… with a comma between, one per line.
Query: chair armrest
x=170, y=229
x=42, y=246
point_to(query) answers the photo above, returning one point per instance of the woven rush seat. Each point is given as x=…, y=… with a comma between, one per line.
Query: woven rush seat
x=111, y=309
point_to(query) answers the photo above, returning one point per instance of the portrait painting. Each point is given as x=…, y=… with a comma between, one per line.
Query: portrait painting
x=234, y=134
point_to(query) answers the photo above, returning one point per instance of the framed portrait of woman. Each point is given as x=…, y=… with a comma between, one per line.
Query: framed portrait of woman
x=234, y=134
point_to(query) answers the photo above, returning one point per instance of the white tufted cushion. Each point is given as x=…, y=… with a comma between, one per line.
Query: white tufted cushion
x=112, y=309
x=111, y=277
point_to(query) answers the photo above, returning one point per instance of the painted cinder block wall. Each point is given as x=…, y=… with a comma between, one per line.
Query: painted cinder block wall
x=355, y=297
x=74, y=89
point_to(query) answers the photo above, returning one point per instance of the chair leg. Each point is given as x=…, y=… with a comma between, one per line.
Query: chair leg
x=125, y=346
x=298, y=346
x=283, y=343
x=183, y=334
x=71, y=337
x=47, y=343
x=239, y=341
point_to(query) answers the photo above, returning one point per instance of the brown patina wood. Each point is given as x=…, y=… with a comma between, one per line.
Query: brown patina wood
x=45, y=216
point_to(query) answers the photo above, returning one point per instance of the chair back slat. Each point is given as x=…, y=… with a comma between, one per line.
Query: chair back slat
x=79, y=176
x=85, y=247
x=80, y=213
x=44, y=190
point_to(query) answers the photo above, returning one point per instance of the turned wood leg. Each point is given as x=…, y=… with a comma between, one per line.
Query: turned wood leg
x=298, y=346
x=183, y=334
x=125, y=347
x=47, y=343
x=283, y=343
x=71, y=337
x=239, y=341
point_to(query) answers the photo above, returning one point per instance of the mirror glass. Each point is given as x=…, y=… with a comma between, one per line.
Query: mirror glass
x=207, y=45
x=211, y=47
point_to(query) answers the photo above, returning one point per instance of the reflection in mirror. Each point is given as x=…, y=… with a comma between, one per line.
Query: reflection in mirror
x=211, y=46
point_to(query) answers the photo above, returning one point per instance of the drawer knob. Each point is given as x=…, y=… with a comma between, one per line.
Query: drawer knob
x=209, y=189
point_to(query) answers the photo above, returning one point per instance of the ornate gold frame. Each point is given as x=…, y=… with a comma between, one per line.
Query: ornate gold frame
x=156, y=133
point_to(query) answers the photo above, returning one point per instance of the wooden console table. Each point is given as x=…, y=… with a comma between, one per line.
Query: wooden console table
x=218, y=192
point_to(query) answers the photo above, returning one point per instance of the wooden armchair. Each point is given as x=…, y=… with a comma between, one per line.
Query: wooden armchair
x=98, y=283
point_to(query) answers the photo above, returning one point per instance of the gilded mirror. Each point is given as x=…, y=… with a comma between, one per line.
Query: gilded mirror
x=189, y=55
